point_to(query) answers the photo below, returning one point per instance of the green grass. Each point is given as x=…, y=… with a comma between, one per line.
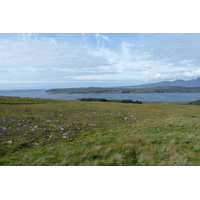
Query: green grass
x=43, y=132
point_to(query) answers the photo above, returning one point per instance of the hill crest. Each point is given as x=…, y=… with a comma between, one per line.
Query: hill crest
x=179, y=82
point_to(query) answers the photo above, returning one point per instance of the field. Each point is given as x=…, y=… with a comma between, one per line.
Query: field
x=47, y=132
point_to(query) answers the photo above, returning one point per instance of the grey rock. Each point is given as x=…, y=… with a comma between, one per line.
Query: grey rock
x=92, y=124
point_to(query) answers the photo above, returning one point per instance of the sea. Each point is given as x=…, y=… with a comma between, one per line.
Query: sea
x=175, y=97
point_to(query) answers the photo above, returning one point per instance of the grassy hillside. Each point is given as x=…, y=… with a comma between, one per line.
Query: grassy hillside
x=71, y=132
x=93, y=90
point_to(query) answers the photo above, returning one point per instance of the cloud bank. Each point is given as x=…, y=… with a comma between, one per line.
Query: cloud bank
x=82, y=60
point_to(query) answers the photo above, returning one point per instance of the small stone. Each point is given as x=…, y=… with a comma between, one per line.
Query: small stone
x=92, y=124
x=164, y=149
x=36, y=144
x=65, y=137
x=10, y=141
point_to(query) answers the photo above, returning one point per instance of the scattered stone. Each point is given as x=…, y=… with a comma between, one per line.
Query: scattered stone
x=125, y=118
x=62, y=129
x=48, y=120
x=10, y=141
x=35, y=127
x=46, y=131
x=65, y=133
x=36, y=144
x=92, y=124
x=164, y=149
x=65, y=137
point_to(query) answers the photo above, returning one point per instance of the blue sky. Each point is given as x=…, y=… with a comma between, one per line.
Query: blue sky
x=64, y=60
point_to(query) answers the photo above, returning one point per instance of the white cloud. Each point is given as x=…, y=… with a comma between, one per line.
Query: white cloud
x=28, y=36
x=192, y=73
x=102, y=40
x=104, y=37
x=52, y=41
x=46, y=59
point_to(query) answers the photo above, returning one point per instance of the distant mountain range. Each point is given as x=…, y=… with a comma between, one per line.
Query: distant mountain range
x=190, y=86
x=180, y=83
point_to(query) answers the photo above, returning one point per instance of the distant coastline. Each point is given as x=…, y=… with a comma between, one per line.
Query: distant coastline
x=99, y=90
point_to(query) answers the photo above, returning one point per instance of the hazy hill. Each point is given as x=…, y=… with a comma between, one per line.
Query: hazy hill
x=180, y=83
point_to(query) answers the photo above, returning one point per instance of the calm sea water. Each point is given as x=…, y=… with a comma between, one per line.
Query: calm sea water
x=139, y=97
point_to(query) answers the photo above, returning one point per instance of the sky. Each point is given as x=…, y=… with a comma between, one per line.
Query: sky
x=67, y=60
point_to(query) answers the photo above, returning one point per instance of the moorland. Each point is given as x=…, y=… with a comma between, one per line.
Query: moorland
x=47, y=132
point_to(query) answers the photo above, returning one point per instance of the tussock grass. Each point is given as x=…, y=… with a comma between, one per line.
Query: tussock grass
x=41, y=132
